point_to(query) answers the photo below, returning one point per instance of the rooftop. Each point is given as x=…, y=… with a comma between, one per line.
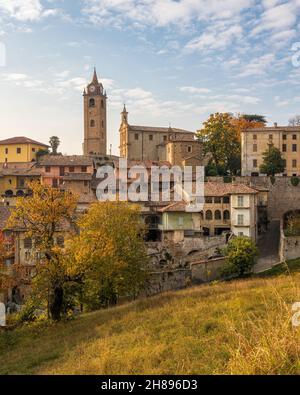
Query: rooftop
x=157, y=129
x=65, y=160
x=275, y=129
x=21, y=140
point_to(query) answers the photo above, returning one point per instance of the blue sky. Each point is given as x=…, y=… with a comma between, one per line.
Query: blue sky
x=172, y=62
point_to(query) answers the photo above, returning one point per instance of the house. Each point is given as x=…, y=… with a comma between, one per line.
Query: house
x=256, y=141
x=20, y=150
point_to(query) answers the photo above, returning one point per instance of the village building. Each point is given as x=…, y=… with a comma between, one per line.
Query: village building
x=18, y=150
x=256, y=141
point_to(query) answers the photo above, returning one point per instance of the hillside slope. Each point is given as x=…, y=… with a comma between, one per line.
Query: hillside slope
x=237, y=327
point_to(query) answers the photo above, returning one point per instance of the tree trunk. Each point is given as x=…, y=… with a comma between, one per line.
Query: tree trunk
x=56, y=303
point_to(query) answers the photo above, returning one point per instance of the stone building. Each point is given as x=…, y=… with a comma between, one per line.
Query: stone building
x=95, y=128
x=256, y=141
x=142, y=143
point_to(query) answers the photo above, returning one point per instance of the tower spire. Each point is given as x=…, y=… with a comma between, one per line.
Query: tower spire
x=95, y=77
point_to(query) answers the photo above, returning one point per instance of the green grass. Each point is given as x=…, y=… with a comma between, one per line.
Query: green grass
x=241, y=327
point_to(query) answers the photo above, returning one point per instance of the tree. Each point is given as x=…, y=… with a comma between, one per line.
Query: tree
x=110, y=253
x=273, y=162
x=254, y=118
x=54, y=143
x=220, y=138
x=241, y=254
x=8, y=278
x=294, y=121
x=40, y=153
x=44, y=216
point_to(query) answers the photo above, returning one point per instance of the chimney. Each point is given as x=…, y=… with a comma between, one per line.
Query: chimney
x=275, y=124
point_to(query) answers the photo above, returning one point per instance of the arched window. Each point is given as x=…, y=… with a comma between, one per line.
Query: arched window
x=92, y=123
x=226, y=215
x=218, y=215
x=92, y=102
x=102, y=103
x=9, y=193
x=208, y=215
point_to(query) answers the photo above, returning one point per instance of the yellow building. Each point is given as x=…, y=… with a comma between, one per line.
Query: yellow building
x=19, y=150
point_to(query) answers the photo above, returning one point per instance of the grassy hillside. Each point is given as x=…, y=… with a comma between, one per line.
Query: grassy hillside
x=237, y=327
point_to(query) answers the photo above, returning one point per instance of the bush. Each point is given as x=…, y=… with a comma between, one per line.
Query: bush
x=294, y=181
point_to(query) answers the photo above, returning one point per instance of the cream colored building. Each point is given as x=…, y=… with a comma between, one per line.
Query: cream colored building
x=95, y=127
x=256, y=141
x=142, y=143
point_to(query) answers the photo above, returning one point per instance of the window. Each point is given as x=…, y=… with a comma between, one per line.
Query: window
x=71, y=169
x=48, y=169
x=60, y=241
x=284, y=137
x=294, y=163
x=92, y=123
x=226, y=200
x=6, y=151
x=208, y=215
x=150, y=137
x=240, y=234
x=226, y=215
x=189, y=149
x=83, y=169
x=19, y=150
x=180, y=221
x=240, y=219
x=165, y=138
x=294, y=137
x=240, y=201
x=136, y=136
x=102, y=104
x=270, y=136
x=33, y=149
x=208, y=199
x=61, y=171
x=294, y=147
x=54, y=183
x=217, y=200
x=254, y=147
x=28, y=243
x=283, y=147
x=92, y=102
x=284, y=163
x=255, y=137
x=218, y=215
x=254, y=162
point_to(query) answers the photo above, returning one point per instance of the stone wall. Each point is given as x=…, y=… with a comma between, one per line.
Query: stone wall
x=206, y=271
x=289, y=247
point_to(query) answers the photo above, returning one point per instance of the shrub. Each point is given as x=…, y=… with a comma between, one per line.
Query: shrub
x=294, y=181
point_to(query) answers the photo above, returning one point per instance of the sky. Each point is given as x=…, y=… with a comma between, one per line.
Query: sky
x=173, y=62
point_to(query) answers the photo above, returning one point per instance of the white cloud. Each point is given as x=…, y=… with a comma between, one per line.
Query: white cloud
x=194, y=90
x=25, y=10
x=257, y=66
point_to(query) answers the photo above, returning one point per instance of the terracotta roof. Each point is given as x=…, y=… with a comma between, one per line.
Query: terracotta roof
x=157, y=129
x=21, y=140
x=221, y=189
x=65, y=160
x=146, y=163
x=174, y=207
x=30, y=172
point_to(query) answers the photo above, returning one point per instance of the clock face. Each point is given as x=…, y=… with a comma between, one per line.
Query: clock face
x=92, y=88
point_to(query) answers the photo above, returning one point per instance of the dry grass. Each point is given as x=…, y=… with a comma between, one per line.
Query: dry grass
x=241, y=327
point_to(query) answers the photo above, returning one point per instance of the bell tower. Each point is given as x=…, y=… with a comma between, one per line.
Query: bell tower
x=94, y=99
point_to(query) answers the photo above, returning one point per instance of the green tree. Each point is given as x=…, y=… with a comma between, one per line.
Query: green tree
x=45, y=216
x=220, y=138
x=273, y=162
x=110, y=253
x=54, y=143
x=241, y=254
x=40, y=153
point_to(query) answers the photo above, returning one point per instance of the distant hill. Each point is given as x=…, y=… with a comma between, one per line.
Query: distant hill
x=235, y=327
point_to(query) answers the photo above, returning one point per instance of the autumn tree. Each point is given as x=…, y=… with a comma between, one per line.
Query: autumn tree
x=109, y=253
x=43, y=216
x=8, y=279
x=54, y=143
x=273, y=163
x=221, y=140
x=241, y=254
